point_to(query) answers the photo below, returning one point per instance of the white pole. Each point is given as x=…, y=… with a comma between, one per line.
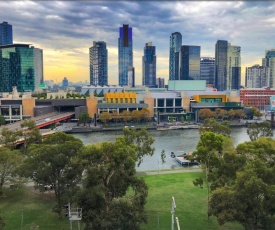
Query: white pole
x=173, y=212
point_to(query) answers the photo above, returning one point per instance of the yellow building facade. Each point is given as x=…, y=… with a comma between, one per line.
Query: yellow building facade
x=120, y=97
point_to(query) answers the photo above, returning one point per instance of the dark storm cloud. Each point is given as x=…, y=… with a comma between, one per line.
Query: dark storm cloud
x=72, y=26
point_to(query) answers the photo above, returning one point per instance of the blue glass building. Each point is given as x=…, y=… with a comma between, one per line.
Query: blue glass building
x=149, y=61
x=190, y=62
x=208, y=70
x=5, y=34
x=98, y=64
x=174, y=63
x=19, y=67
x=125, y=53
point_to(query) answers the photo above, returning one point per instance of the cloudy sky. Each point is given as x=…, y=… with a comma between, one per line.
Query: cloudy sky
x=66, y=29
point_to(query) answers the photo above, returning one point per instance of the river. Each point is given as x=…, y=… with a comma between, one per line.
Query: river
x=169, y=141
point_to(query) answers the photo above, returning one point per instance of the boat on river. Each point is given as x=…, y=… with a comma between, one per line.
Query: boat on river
x=182, y=159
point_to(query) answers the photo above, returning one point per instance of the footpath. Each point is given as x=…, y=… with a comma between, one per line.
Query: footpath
x=172, y=171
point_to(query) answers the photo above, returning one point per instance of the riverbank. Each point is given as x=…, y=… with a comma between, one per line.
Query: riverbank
x=148, y=126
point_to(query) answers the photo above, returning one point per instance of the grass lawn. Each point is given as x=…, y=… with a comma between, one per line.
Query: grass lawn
x=191, y=203
x=191, y=207
x=37, y=210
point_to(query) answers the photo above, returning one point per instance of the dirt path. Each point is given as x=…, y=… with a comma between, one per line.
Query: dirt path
x=149, y=173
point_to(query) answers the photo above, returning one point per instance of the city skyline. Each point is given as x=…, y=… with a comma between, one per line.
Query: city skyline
x=66, y=29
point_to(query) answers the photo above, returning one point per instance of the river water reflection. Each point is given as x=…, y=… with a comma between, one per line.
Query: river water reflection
x=169, y=141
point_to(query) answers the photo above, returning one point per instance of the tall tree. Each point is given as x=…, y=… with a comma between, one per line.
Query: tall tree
x=205, y=114
x=53, y=163
x=110, y=173
x=9, y=138
x=250, y=200
x=30, y=133
x=145, y=114
x=9, y=162
x=84, y=118
x=136, y=115
x=211, y=125
x=262, y=129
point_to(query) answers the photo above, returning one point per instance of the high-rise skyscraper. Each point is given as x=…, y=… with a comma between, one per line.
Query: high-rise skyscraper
x=233, y=79
x=160, y=82
x=125, y=53
x=269, y=61
x=221, y=64
x=38, y=66
x=149, y=61
x=131, y=76
x=20, y=65
x=208, y=70
x=190, y=62
x=227, y=66
x=5, y=34
x=98, y=64
x=174, y=62
x=257, y=76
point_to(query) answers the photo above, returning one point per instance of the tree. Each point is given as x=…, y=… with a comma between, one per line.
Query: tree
x=126, y=116
x=205, y=114
x=104, y=117
x=250, y=200
x=163, y=157
x=136, y=115
x=262, y=129
x=208, y=152
x=213, y=126
x=30, y=133
x=84, y=118
x=9, y=138
x=2, y=120
x=9, y=162
x=53, y=163
x=110, y=173
x=256, y=113
x=115, y=116
x=145, y=114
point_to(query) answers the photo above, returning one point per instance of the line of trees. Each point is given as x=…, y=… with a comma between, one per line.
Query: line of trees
x=96, y=178
x=126, y=116
x=222, y=114
x=240, y=181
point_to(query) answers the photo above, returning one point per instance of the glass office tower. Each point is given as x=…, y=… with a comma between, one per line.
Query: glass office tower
x=98, y=64
x=190, y=62
x=174, y=62
x=149, y=61
x=221, y=64
x=208, y=70
x=5, y=34
x=125, y=53
x=18, y=67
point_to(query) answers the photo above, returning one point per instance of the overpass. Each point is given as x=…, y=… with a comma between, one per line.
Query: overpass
x=42, y=121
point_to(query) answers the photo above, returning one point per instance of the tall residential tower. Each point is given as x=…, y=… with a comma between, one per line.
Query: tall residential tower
x=125, y=53
x=208, y=70
x=149, y=61
x=269, y=61
x=98, y=64
x=227, y=66
x=174, y=62
x=5, y=34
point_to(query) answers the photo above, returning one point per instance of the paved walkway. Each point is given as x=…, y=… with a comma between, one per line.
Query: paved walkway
x=174, y=171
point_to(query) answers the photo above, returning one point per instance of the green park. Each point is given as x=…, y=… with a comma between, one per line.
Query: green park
x=58, y=183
